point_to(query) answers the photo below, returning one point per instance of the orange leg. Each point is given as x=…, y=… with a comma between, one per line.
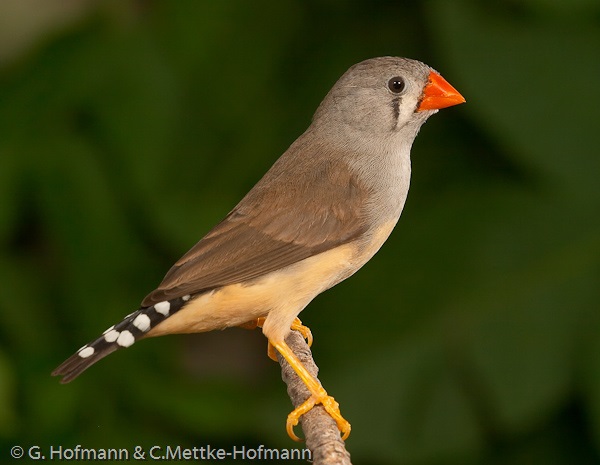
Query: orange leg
x=296, y=325
x=318, y=395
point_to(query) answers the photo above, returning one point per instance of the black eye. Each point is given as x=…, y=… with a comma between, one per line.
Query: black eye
x=396, y=84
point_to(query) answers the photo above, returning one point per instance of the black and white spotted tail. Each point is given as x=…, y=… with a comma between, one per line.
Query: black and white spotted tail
x=133, y=327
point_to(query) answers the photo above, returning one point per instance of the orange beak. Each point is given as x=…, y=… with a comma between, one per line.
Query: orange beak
x=439, y=94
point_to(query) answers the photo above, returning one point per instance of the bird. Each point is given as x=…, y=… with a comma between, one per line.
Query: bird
x=322, y=210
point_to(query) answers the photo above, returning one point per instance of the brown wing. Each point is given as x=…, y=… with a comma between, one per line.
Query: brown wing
x=285, y=218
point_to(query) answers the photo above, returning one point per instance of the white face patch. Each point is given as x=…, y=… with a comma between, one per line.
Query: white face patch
x=86, y=352
x=125, y=339
x=111, y=336
x=185, y=298
x=142, y=322
x=163, y=308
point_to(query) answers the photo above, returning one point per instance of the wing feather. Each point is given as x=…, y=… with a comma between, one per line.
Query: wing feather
x=281, y=221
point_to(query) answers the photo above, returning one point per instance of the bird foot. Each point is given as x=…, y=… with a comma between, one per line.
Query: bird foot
x=296, y=325
x=329, y=404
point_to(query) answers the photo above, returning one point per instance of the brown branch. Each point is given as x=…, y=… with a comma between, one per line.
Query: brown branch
x=320, y=430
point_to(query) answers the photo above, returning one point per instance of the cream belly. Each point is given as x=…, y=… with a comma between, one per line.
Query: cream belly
x=280, y=295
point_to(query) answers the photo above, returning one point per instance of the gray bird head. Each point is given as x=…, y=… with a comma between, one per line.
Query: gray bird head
x=380, y=99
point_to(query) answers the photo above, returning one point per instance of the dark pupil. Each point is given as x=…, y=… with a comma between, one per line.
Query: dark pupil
x=396, y=84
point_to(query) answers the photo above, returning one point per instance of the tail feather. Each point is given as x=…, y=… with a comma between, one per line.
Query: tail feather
x=132, y=328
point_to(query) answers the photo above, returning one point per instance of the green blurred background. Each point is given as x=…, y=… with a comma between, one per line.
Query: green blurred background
x=128, y=128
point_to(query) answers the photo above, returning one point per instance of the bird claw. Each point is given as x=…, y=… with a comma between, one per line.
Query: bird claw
x=296, y=326
x=331, y=407
x=304, y=330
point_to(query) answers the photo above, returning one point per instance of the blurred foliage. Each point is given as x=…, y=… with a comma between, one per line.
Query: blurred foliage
x=472, y=338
